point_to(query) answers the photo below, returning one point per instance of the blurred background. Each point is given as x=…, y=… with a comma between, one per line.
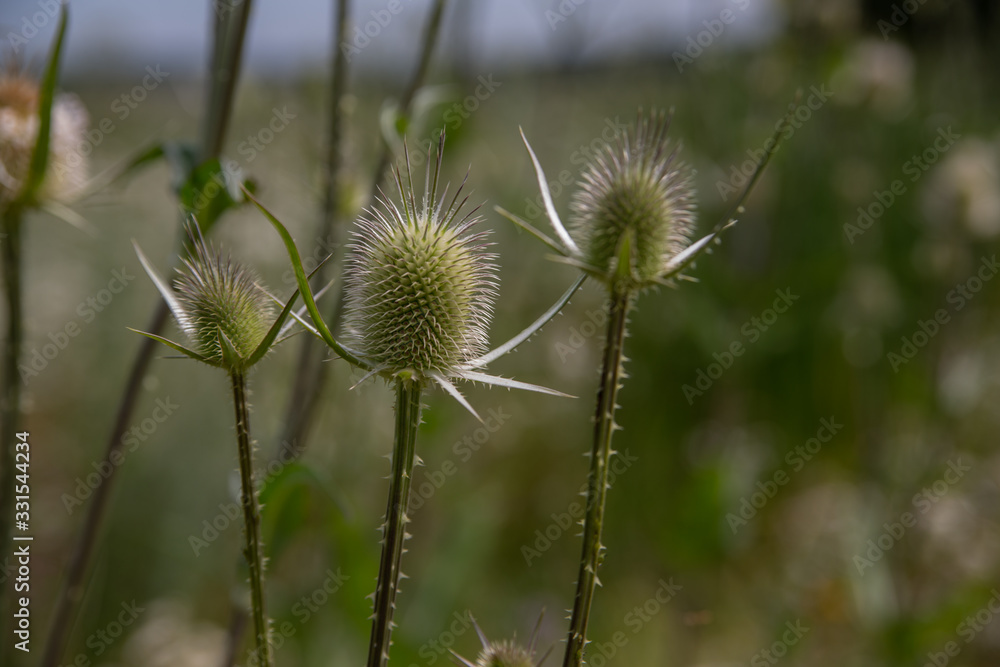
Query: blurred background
x=828, y=496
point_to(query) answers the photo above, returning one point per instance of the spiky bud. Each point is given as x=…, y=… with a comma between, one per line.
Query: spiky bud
x=66, y=173
x=505, y=653
x=420, y=284
x=224, y=311
x=636, y=202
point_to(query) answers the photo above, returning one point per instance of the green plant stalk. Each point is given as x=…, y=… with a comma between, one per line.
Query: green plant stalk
x=394, y=529
x=428, y=42
x=10, y=400
x=592, y=555
x=310, y=372
x=71, y=593
x=253, y=549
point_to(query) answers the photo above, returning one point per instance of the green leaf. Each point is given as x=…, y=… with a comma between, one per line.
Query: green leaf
x=180, y=348
x=305, y=289
x=272, y=333
x=281, y=496
x=210, y=191
x=40, y=155
x=115, y=173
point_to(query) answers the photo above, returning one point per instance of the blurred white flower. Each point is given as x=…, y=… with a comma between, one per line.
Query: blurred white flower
x=965, y=188
x=875, y=72
x=67, y=168
x=169, y=637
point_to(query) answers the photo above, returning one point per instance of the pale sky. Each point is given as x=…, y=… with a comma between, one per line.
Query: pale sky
x=292, y=35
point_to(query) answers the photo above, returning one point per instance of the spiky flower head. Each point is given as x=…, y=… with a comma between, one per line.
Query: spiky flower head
x=506, y=652
x=225, y=309
x=66, y=172
x=420, y=284
x=636, y=203
x=221, y=306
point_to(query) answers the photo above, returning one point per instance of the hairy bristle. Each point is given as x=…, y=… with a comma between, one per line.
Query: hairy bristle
x=635, y=189
x=222, y=298
x=420, y=282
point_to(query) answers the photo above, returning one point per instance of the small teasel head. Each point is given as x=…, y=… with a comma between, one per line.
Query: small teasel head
x=221, y=306
x=420, y=283
x=506, y=652
x=635, y=205
x=226, y=312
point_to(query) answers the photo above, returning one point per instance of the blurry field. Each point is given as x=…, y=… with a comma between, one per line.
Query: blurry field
x=822, y=547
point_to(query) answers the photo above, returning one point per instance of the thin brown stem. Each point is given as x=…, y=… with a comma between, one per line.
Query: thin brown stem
x=226, y=56
x=310, y=372
x=431, y=32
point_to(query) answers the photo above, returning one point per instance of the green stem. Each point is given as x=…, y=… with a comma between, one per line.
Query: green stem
x=311, y=372
x=253, y=550
x=428, y=42
x=597, y=481
x=10, y=400
x=394, y=529
x=71, y=592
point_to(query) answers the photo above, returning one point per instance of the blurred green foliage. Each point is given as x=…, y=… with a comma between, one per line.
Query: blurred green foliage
x=670, y=515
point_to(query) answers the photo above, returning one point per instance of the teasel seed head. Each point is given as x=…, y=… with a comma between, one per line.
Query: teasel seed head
x=224, y=308
x=420, y=283
x=636, y=202
x=67, y=170
x=506, y=652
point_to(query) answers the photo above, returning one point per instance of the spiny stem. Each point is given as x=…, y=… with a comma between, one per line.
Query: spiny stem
x=72, y=590
x=310, y=374
x=10, y=399
x=253, y=550
x=394, y=529
x=597, y=481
